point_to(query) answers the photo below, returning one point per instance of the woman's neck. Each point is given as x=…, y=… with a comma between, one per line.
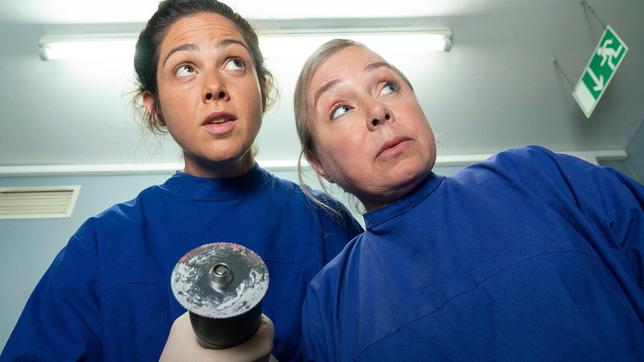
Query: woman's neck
x=219, y=169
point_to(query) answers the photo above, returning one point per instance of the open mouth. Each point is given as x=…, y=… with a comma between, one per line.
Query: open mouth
x=219, y=123
x=219, y=117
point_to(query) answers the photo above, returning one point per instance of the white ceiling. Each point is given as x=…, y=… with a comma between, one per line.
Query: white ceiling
x=124, y=11
x=496, y=88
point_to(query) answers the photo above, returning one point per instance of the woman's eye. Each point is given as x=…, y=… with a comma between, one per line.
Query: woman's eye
x=390, y=87
x=184, y=70
x=234, y=64
x=340, y=110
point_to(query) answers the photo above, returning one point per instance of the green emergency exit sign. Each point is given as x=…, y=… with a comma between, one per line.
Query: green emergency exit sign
x=599, y=71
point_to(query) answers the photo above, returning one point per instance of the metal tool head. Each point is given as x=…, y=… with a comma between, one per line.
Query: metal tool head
x=220, y=280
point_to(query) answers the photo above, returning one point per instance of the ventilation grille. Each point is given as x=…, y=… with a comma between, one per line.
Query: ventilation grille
x=37, y=202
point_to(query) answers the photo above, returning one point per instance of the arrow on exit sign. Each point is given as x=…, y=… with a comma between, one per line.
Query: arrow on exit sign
x=599, y=71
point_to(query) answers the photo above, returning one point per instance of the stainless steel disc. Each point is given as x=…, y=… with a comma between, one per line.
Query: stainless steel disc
x=220, y=280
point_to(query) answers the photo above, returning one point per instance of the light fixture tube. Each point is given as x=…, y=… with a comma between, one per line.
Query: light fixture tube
x=121, y=45
x=404, y=38
x=88, y=46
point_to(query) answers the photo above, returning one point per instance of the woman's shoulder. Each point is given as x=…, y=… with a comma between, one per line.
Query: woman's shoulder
x=121, y=214
x=312, y=197
x=338, y=271
x=523, y=156
x=527, y=164
x=559, y=179
x=128, y=208
x=538, y=158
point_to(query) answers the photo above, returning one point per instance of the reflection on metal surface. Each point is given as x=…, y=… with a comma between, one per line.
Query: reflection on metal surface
x=222, y=286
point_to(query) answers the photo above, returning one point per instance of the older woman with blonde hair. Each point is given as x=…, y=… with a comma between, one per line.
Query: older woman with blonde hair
x=529, y=255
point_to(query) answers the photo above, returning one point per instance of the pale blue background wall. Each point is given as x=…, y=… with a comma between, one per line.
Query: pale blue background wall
x=634, y=165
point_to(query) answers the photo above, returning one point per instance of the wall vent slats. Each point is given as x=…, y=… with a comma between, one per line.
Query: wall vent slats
x=41, y=202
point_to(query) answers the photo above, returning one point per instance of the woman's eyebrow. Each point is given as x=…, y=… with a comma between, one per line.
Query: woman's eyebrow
x=193, y=48
x=376, y=65
x=368, y=68
x=181, y=48
x=323, y=89
x=227, y=42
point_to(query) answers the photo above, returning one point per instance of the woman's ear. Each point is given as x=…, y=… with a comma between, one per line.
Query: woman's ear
x=150, y=107
x=315, y=163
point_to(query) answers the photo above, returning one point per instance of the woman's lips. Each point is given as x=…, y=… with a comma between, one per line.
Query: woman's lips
x=219, y=123
x=393, y=147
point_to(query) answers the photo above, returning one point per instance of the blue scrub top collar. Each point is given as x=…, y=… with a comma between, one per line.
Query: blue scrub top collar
x=399, y=207
x=203, y=188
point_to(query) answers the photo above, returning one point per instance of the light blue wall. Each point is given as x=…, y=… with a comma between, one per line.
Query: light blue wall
x=633, y=166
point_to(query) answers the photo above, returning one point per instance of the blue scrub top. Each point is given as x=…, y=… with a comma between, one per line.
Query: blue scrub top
x=529, y=256
x=107, y=294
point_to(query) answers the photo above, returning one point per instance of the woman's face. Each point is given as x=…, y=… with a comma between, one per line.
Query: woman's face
x=209, y=95
x=371, y=136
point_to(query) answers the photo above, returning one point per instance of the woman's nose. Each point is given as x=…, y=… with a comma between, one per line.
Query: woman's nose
x=378, y=115
x=214, y=89
x=211, y=95
x=380, y=120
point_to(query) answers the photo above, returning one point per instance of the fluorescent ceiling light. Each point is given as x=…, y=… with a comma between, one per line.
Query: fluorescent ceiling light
x=121, y=45
x=380, y=40
x=88, y=46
